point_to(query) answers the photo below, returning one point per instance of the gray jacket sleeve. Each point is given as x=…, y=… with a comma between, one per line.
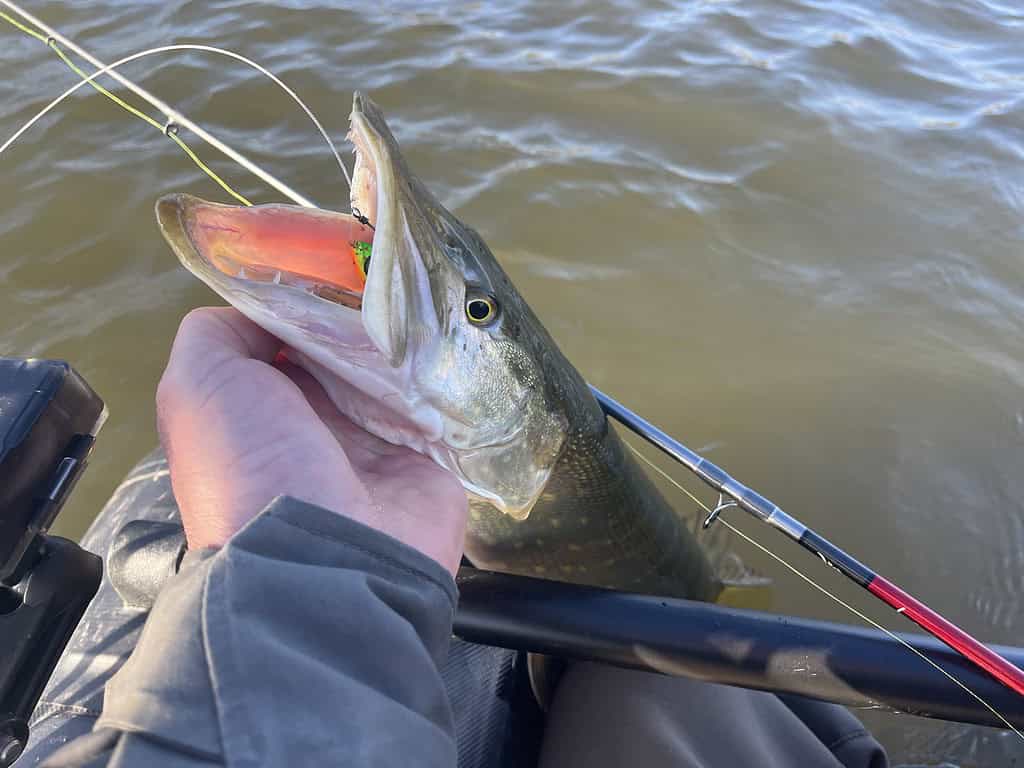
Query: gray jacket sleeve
x=309, y=639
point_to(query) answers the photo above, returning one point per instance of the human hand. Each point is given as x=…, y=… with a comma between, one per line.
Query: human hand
x=240, y=429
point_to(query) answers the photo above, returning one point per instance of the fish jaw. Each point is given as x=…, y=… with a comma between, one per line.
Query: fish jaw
x=217, y=242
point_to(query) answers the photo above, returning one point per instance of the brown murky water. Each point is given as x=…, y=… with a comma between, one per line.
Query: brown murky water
x=788, y=231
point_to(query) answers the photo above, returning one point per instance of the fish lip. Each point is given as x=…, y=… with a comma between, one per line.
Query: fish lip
x=169, y=211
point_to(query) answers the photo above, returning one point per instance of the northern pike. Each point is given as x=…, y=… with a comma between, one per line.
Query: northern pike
x=408, y=321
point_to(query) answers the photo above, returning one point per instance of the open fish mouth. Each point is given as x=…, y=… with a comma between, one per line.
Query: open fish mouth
x=325, y=254
x=307, y=276
x=318, y=254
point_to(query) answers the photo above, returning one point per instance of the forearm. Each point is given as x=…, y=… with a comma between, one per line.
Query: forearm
x=307, y=638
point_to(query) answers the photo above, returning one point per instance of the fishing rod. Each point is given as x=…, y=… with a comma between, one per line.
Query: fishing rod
x=739, y=495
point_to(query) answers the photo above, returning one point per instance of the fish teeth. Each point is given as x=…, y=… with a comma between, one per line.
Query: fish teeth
x=277, y=278
x=241, y=274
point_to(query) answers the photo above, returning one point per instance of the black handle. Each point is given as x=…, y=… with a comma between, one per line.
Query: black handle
x=783, y=654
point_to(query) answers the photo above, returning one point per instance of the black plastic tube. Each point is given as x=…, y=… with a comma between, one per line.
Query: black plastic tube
x=821, y=660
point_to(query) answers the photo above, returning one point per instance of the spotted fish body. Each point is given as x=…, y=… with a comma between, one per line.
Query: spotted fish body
x=599, y=521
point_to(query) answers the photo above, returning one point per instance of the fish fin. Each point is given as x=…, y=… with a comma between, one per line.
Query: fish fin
x=754, y=593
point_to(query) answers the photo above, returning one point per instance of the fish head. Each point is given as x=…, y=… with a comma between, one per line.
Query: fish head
x=434, y=349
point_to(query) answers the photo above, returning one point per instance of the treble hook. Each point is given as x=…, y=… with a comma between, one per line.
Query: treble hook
x=720, y=507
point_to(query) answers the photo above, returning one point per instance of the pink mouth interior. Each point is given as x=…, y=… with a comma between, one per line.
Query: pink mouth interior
x=282, y=244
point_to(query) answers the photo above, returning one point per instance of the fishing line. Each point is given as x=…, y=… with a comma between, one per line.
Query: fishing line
x=174, y=119
x=835, y=598
x=170, y=128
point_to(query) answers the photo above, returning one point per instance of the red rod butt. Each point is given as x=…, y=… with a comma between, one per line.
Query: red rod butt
x=949, y=633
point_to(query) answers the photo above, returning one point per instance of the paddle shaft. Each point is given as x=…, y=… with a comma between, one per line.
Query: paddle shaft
x=854, y=666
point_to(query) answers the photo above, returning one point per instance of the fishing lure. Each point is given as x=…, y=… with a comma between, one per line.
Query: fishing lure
x=361, y=255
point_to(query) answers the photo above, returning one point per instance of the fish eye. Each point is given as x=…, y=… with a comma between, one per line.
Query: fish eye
x=481, y=309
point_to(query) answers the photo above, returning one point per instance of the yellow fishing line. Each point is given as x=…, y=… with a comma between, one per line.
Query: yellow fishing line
x=205, y=168
x=167, y=131
x=14, y=22
x=859, y=614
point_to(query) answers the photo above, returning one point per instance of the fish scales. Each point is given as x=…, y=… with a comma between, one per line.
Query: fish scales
x=600, y=521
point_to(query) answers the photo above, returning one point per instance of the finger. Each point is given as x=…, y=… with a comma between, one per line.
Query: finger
x=209, y=343
x=221, y=332
x=212, y=343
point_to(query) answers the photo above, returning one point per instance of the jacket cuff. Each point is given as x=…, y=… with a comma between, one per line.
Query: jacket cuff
x=331, y=529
